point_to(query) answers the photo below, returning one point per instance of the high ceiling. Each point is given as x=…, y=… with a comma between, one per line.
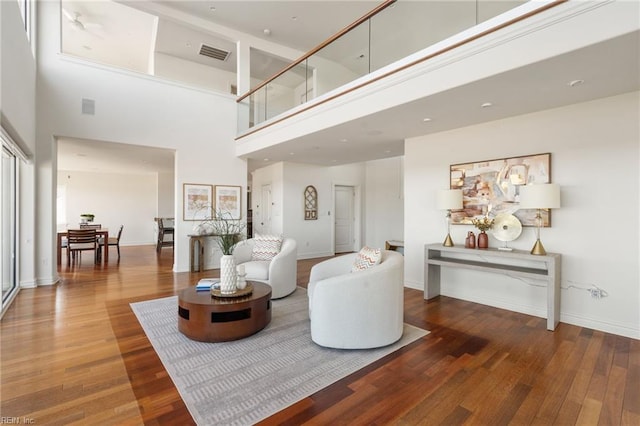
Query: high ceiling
x=301, y=25
x=121, y=33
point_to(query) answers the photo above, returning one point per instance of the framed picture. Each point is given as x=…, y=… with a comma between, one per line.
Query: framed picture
x=492, y=187
x=197, y=201
x=228, y=201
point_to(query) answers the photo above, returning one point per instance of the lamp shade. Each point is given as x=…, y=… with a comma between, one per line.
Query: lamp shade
x=448, y=199
x=540, y=196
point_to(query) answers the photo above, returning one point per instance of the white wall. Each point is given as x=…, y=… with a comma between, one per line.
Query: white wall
x=595, y=157
x=18, y=115
x=18, y=77
x=384, y=205
x=166, y=195
x=316, y=237
x=180, y=70
x=134, y=109
x=271, y=175
x=116, y=199
x=313, y=236
x=379, y=203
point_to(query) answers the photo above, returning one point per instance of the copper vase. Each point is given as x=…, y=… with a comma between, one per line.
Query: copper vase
x=483, y=240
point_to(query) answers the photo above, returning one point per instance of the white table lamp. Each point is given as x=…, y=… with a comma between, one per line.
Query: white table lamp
x=539, y=196
x=449, y=199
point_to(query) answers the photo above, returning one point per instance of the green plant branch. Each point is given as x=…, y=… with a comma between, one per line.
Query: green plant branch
x=228, y=231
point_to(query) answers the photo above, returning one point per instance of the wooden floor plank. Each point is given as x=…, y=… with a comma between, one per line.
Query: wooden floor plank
x=75, y=354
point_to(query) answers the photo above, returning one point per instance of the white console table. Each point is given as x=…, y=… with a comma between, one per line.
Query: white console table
x=496, y=261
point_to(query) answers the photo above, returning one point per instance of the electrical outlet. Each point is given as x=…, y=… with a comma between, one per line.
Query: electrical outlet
x=596, y=293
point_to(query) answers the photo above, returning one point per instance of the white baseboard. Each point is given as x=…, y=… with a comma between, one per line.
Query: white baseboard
x=47, y=281
x=627, y=330
x=414, y=285
x=28, y=284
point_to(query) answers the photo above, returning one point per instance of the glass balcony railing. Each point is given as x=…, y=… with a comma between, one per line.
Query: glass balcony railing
x=392, y=31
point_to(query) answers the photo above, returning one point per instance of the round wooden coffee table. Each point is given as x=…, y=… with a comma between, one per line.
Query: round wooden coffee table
x=206, y=318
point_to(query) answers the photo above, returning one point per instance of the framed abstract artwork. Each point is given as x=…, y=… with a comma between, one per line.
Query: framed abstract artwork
x=197, y=201
x=492, y=187
x=228, y=201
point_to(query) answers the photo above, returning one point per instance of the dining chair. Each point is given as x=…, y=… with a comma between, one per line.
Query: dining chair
x=79, y=240
x=165, y=229
x=113, y=241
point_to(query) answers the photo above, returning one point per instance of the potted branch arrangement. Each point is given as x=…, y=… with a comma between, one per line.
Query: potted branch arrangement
x=86, y=217
x=228, y=232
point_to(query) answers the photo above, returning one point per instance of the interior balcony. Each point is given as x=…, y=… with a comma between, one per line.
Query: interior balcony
x=538, y=55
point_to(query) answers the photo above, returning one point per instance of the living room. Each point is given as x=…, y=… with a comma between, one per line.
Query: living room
x=133, y=102
x=593, y=145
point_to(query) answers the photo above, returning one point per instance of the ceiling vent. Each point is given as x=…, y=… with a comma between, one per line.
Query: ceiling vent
x=214, y=52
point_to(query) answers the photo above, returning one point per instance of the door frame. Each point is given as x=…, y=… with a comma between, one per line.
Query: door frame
x=357, y=215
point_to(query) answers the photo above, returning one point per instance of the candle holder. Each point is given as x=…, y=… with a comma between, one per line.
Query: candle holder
x=241, y=282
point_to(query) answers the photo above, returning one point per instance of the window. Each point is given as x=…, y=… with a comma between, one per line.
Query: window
x=8, y=225
x=9, y=194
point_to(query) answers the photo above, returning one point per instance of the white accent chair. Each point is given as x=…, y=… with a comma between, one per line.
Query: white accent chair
x=357, y=310
x=280, y=272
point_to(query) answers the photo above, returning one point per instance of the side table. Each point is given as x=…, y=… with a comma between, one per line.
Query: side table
x=196, y=242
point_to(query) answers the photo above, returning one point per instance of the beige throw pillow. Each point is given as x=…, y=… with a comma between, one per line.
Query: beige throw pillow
x=366, y=258
x=266, y=247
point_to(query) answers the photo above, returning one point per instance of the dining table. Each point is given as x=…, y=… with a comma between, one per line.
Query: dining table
x=101, y=232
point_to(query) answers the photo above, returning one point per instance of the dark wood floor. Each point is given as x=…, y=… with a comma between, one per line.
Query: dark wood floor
x=75, y=354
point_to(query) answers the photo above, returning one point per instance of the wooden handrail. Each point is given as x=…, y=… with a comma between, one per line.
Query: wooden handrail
x=257, y=128
x=321, y=46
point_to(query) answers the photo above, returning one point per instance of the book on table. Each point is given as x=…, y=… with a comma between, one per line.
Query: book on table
x=207, y=283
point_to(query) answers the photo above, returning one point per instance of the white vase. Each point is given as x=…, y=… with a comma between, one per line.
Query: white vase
x=227, y=274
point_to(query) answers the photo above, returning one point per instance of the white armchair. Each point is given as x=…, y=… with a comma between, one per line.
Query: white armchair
x=357, y=310
x=280, y=272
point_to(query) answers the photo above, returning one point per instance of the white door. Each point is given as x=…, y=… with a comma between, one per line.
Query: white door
x=264, y=210
x=344, y=218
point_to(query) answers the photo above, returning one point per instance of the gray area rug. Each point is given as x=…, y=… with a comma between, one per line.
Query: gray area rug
x=244, y=381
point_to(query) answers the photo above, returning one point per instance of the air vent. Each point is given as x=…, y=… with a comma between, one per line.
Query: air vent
x=214, y=52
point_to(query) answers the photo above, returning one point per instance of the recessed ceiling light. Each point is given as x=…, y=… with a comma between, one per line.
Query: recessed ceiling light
x=86, y=47
x=292, y=153
x=266, y=31
x=188, y=44
x=266, y=159
x=387, y=152
x=344, y=140
x=294, y=18
x=486, y=105
x=575, y=83
x=212, y=8
x=426, y=120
